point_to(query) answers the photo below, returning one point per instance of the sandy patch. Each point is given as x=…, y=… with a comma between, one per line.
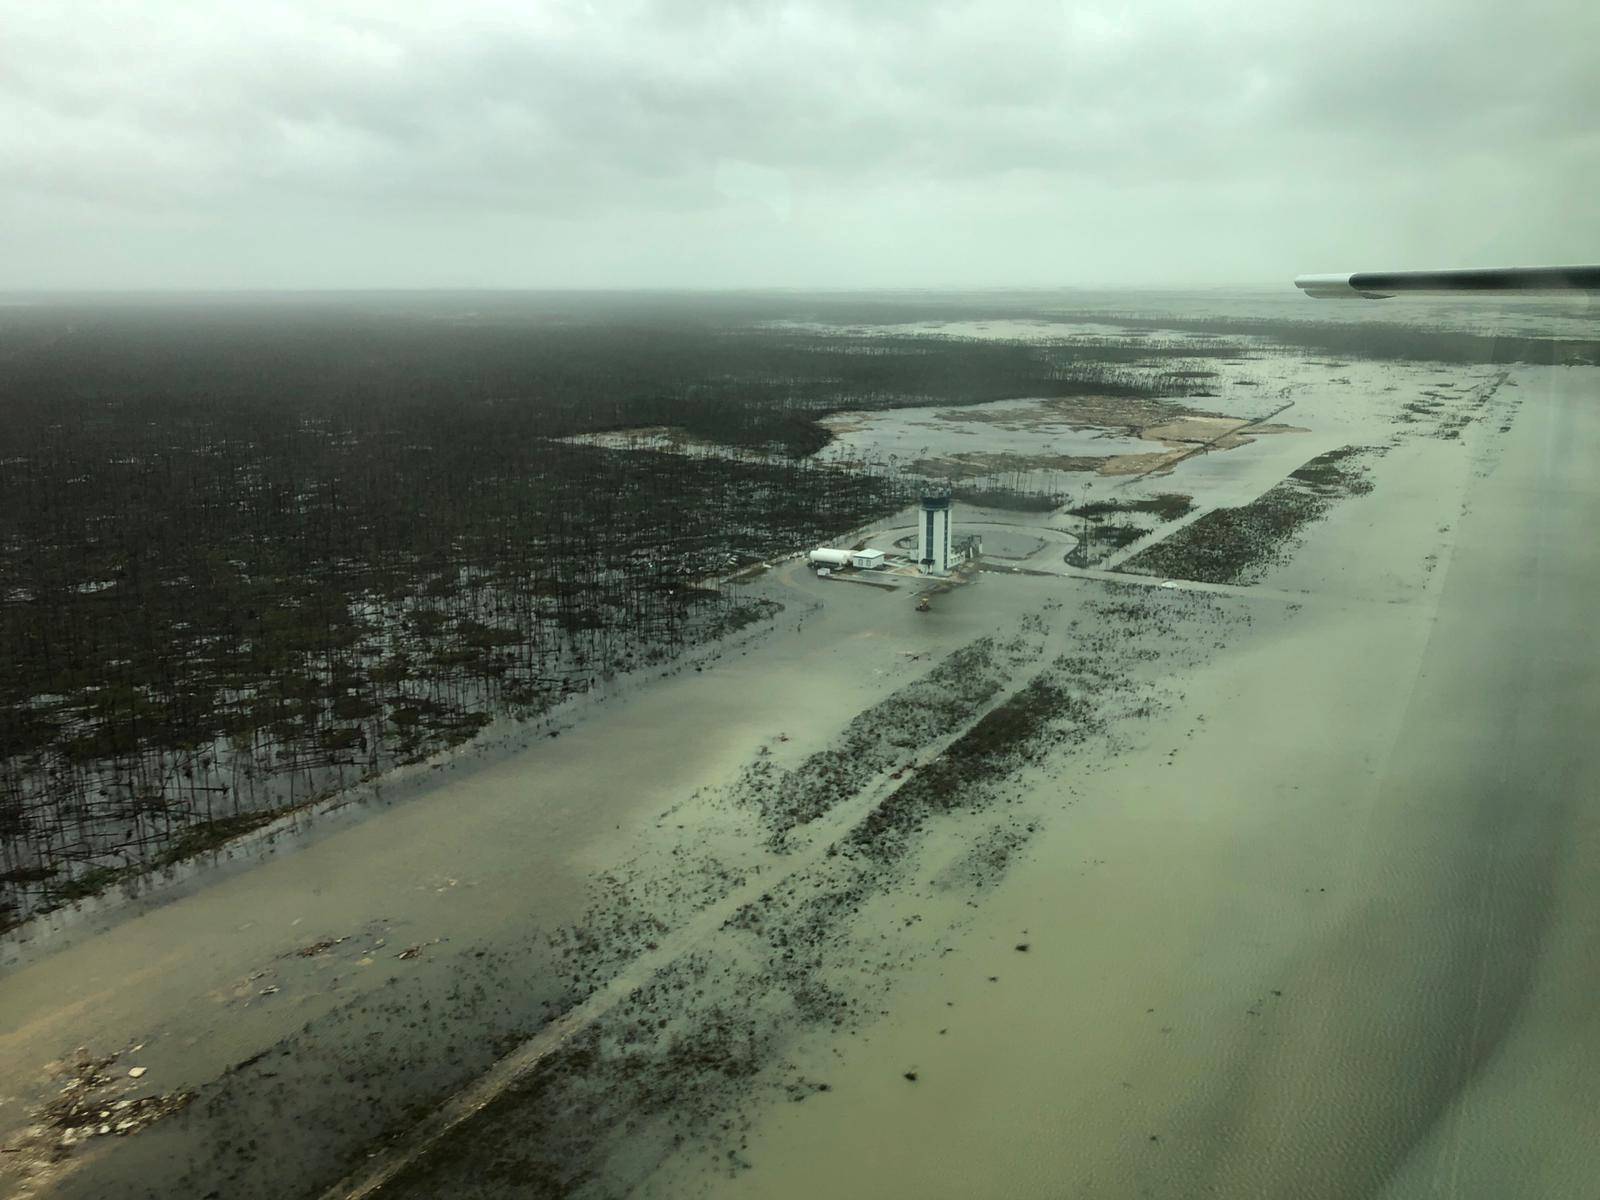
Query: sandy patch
x=1193, y=429
x=1141, y=464
x=975, y=465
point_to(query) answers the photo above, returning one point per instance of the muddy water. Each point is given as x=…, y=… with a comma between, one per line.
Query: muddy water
x=1328, y=931
x=595, y=833
x=1314, y=921
x=1027, y=427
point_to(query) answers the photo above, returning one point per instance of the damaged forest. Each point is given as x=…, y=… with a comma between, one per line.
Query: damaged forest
x=254, y=552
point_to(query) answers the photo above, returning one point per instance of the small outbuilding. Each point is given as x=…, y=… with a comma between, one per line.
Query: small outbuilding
x=866, y=560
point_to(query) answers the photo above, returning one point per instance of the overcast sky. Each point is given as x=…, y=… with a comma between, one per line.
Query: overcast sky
x=403, y=143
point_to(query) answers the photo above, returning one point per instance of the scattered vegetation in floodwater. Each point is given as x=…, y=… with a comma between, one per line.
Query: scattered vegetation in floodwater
x=1234, y=545
x=886, y=736
x=684, y=1058
x=1008, y=499
x=1002, y=739
x=683, y=1062
x=1167, y=506
x=1109, y=525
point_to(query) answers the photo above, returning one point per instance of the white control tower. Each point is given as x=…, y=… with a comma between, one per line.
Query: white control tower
x=933, y=534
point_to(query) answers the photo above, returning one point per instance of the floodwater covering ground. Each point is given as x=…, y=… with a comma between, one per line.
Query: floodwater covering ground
x=1252, y=858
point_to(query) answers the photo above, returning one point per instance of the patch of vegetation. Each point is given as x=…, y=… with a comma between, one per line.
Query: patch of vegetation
x=746, y=613
x=1007, y=499
x=1336, y=473
x=883, y=737
x=211, y=835
x=1168, y=506
x=1003, y=738
x=1233, y=545
x=1118, y=536
x=89, y=883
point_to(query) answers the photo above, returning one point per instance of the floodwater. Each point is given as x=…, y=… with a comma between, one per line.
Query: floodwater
x=548, y=836
x=1327, y=932
x=1307, y=911
x=1018, y=427
x=1553, y=315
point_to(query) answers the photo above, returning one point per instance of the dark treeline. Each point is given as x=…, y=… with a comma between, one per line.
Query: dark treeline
x=529, y=372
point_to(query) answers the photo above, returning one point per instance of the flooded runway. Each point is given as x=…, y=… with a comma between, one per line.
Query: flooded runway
x=1275, y=892
x=1333, y=939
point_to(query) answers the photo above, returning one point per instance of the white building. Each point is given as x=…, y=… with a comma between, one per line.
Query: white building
x=866, y=560
x=933, y=534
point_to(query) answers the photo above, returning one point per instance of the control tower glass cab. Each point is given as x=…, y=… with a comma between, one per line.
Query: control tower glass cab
x=933, y=533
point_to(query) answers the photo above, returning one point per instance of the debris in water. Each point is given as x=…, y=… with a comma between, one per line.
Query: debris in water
x=84, y=1108
x=316, y=948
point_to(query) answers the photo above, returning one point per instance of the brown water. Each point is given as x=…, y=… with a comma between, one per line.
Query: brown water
x=1320, y=924
x=1329, y=932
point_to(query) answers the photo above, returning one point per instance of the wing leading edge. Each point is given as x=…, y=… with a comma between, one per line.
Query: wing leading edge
x=1380, y=285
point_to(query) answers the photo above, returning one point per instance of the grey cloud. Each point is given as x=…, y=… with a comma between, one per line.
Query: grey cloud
x=817, y=137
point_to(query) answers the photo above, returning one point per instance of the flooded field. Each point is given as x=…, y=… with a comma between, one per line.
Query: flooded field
x=1025, y=428
x=1244, y=852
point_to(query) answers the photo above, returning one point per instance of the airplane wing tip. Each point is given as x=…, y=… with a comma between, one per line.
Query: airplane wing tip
x=1379, y=285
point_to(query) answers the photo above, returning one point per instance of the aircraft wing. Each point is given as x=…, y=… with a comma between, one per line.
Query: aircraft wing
x=1380, y=285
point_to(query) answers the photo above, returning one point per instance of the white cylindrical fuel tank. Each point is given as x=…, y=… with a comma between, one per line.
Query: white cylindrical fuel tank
x=823, y=557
